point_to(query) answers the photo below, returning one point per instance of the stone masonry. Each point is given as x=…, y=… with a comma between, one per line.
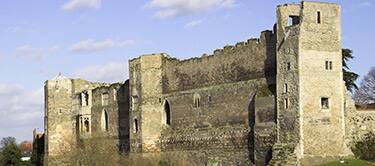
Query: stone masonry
x=279, y=99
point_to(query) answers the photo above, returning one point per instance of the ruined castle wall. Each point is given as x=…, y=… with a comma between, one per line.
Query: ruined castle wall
x=61, y=118
x=358, y=121
x=244, y=61
x=225, y=85
x=111, y=121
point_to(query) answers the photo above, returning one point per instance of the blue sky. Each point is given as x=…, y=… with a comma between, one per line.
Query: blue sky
x=94, y=39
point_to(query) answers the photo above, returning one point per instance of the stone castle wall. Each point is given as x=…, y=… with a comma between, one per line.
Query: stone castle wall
x=358, y=121
x=60, y=117
x=228, y=108
x=225, y=84
x=64, y=108
x=248, y=60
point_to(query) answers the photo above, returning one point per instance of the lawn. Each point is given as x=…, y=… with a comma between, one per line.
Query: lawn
x=349, y=162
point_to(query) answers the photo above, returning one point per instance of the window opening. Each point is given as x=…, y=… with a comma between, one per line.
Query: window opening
x=324, y=102
x=286, y=103
x=167, y=112
x=318, y=17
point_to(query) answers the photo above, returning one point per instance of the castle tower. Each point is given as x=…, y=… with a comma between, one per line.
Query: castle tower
x=145, y=103
x=60, y=119
x=310, y=80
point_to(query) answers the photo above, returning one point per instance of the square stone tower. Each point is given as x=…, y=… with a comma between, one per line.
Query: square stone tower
x=310, y=87
x=60, y=120
x=146, y=109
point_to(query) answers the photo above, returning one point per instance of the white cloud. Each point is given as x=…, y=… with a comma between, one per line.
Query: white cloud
x=173, y=8
x=93, y=46
x=21, y=111
x=110, y=72
x=34, y=52
x=77, y=4
x=193, y=23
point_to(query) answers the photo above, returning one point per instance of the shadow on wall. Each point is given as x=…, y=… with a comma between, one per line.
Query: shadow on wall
x=123, y=118
x=270, y=61
x=251, y=118
x=269, y=90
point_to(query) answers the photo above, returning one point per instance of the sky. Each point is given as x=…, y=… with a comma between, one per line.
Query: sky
x=94, y=39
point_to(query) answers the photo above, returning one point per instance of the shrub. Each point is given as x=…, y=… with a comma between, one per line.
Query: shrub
x=365, y=148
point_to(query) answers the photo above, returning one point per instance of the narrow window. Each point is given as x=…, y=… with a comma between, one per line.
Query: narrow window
x=135, y=127
x=167, y=112
x=134, y=100
x=324, y=102
x=81, y=124
x=196, y=101
x=84, y=99
x=209, y=98
x=286, y=103
x=286, y=88
x=330, y=65
x=114, y=95
x=87, y=125
x=318, y=17
x=104, y=120
x=288, y=66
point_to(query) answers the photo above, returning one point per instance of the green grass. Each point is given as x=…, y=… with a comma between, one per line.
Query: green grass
x=349, y=162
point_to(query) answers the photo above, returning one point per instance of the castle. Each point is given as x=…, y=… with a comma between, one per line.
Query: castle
x=279, y=99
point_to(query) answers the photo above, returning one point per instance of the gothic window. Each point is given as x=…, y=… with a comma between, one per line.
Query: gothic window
x=318, y=17
x=87, y=125
x=167, y=112
x=324, y=102
x=196, y=100
x=104, y=120
x=105, y=97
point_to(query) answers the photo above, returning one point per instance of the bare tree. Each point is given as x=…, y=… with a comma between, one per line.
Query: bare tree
x=366, y=92
x=7, y=141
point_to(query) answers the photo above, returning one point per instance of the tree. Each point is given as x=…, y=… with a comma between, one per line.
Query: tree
x=349, y=76
x=366, y=92
x=365, y=148
x=11, y=155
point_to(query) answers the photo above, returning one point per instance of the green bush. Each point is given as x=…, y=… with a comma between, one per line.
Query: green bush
x=365, y=148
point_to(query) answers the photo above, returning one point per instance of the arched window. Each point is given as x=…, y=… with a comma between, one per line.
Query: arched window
x=87, y=125
x=104, y=120
x=196, y=100
x=167, y=113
